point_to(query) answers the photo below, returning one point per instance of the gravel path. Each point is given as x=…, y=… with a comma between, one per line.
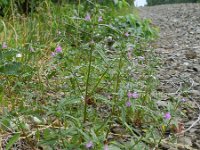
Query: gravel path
x=179, y=49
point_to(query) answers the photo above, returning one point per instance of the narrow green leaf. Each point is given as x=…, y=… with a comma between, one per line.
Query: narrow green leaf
x=12, y=141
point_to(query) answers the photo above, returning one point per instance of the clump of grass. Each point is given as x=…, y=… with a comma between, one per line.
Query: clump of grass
x=75, y=78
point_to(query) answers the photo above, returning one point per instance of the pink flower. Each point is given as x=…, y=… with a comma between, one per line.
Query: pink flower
x=135, y=95
x=53, y=54
x=100, y=19
x=58, y=49
x=31, y=49
x=167, y=116
x=87, y=17
x=129, y=95
x=4, y=45
x=89, y=145
x=128, y=104
x=106, y=147
x=126, y=34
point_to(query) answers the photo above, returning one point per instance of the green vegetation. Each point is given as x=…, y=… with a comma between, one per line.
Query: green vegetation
x=81, y=76
x=159, y=2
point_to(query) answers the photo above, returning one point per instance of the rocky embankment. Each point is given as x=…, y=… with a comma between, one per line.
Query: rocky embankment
x=179, y=50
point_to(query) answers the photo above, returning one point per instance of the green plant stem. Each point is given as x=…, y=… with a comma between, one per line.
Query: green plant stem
x=100, y=79
x=116, y=90
x=87, y=85
x=78, y=24
x=24, y=133
x=12, y=11
x=162, y=133
x=168, y=124
x=117, y=84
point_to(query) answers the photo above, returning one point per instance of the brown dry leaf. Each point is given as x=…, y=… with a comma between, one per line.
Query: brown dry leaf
x=177, y=129
x=90, y=101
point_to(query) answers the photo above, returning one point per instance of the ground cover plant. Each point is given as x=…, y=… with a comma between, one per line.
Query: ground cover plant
x=81, y=76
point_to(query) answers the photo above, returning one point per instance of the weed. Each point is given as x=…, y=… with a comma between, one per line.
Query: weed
x=80, y=78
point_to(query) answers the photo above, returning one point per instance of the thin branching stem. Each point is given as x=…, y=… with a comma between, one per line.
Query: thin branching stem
x=87, y=85
x=116, y=91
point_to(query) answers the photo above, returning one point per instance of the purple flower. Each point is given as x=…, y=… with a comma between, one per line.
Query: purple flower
x=167, y=116
x=4, y=45
x=183, y=100
x=128, y=104
x=106, y=147
x=129, y=95
x=135, y=95
x=100, y=19
x=58, y=49
x=141, y=58
x=87, y=17
x=126, y=34
x=89, y=145
x=53, y=54
x=31, y=49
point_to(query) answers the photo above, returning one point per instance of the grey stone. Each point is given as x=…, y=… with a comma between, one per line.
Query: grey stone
x=185, y=140
x=162, y=103
x=194, y=92
x=190, y=54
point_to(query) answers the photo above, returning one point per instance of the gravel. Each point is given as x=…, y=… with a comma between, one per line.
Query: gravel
x=179, y=49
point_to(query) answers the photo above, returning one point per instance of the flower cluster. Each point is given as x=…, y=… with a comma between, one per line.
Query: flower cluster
x=130, y=95
x=133, y=95
x=88, y=18
x=58, y=49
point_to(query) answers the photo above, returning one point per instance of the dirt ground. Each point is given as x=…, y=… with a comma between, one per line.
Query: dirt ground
x=179, y=50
